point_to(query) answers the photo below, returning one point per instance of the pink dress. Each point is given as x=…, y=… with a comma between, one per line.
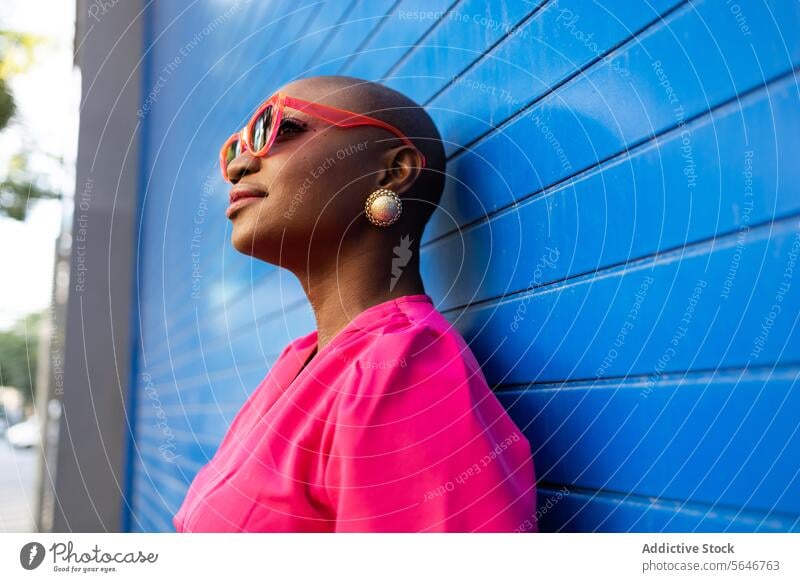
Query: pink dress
x=391, y=427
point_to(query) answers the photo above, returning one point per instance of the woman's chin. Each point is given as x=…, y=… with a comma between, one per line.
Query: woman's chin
x=253, y=243
x=243, y=239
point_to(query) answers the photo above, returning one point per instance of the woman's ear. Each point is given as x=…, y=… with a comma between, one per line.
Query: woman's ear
x=402, y=168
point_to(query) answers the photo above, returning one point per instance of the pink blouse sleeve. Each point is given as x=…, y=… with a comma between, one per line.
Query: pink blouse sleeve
x=421, y=444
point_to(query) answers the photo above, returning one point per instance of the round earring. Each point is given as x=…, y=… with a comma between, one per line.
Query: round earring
x=383, y=207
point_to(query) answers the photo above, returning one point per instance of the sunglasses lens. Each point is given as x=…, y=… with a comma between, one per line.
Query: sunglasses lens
x=261, y=129
x=233, y=150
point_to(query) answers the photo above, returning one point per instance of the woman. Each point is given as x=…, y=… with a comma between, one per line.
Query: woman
x=380, y=419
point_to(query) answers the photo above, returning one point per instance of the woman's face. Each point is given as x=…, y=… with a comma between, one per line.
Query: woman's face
x=309, y=189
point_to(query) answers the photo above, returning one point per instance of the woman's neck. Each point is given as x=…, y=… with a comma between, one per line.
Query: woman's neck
x=364, y=278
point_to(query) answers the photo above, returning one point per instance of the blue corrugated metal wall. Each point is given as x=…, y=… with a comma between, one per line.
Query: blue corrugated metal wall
x=617, y=240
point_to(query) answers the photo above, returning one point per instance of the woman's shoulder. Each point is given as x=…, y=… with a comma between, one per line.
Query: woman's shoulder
x=414, y=329
x=416, y=346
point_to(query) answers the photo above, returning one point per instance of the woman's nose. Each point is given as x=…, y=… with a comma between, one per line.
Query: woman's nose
x=242, y=165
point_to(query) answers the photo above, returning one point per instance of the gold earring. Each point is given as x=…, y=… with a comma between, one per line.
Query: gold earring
x=383, y=207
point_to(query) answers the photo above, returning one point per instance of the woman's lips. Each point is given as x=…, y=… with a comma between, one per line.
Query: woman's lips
x=242, y=196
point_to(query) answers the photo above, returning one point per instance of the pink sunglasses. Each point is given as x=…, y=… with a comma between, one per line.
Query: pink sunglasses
x=260, y=132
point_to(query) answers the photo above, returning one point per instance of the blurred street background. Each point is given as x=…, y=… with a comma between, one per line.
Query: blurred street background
x=39, y=101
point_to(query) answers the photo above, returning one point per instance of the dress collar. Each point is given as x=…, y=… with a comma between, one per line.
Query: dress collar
x=305, y=345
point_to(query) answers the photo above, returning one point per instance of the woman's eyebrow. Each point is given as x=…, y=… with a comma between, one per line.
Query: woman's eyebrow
x=299, y=115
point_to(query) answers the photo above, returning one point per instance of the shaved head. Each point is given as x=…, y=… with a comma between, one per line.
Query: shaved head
x=389, y=106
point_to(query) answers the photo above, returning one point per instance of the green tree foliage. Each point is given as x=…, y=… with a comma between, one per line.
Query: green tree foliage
x=18, y=350
x=7, y=107
x=19, y=187
x=16, y=55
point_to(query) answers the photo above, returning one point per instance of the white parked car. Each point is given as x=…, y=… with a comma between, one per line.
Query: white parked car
x=24, y=434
